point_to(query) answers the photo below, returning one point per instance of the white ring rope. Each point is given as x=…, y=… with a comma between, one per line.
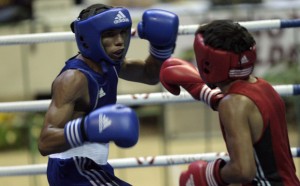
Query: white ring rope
x=133, y=99
x=134, y=162
x=22, y=39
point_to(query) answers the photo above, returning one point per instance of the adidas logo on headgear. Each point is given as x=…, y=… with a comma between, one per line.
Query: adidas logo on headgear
x=120, y=18
x=244, y=59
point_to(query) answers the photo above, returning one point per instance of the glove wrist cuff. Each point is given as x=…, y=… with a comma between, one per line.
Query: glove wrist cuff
x=161, y=53
x=210, y=97
x=73, y=132
x=82, y=130
x=213, y=172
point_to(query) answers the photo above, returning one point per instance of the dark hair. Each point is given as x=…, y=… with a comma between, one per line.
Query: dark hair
x=226, y=35
x=91, y=11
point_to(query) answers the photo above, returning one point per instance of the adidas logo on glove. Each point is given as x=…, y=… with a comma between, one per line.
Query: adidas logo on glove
x=120, y=18
x=190, y=181
x=104, y=122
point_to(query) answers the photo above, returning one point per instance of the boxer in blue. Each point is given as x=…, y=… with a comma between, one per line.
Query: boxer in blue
x=83, y=117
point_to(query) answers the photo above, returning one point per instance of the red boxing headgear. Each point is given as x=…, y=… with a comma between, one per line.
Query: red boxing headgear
x=216, y=66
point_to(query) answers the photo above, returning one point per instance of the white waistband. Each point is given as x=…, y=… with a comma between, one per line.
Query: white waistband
x=95, y=151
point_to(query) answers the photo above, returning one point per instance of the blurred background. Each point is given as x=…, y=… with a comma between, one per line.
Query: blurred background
x=27, y=71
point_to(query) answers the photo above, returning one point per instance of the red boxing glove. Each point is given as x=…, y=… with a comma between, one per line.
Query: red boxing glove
x=202, y=173
x=176, y=72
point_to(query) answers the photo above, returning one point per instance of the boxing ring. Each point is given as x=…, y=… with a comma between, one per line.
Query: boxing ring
x=135, y=99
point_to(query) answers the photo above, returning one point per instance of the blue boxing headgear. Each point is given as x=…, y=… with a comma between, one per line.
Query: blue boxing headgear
x=88, y=33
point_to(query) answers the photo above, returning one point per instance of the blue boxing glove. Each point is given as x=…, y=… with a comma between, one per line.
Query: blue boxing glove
x=160, y=28
x=116, y=123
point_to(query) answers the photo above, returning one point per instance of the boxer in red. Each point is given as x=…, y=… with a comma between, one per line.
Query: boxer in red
x=252, y=114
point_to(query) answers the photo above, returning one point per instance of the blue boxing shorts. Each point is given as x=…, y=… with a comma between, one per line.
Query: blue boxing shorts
x=81, y=171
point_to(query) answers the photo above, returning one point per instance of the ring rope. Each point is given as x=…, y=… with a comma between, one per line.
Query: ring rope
x=133, y=99
x=22, y=39
x=133, y=162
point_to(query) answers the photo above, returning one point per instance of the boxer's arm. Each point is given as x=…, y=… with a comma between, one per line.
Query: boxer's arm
x=234, y=113
x=160, y=28
x=66, y=89
x=142, y=71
